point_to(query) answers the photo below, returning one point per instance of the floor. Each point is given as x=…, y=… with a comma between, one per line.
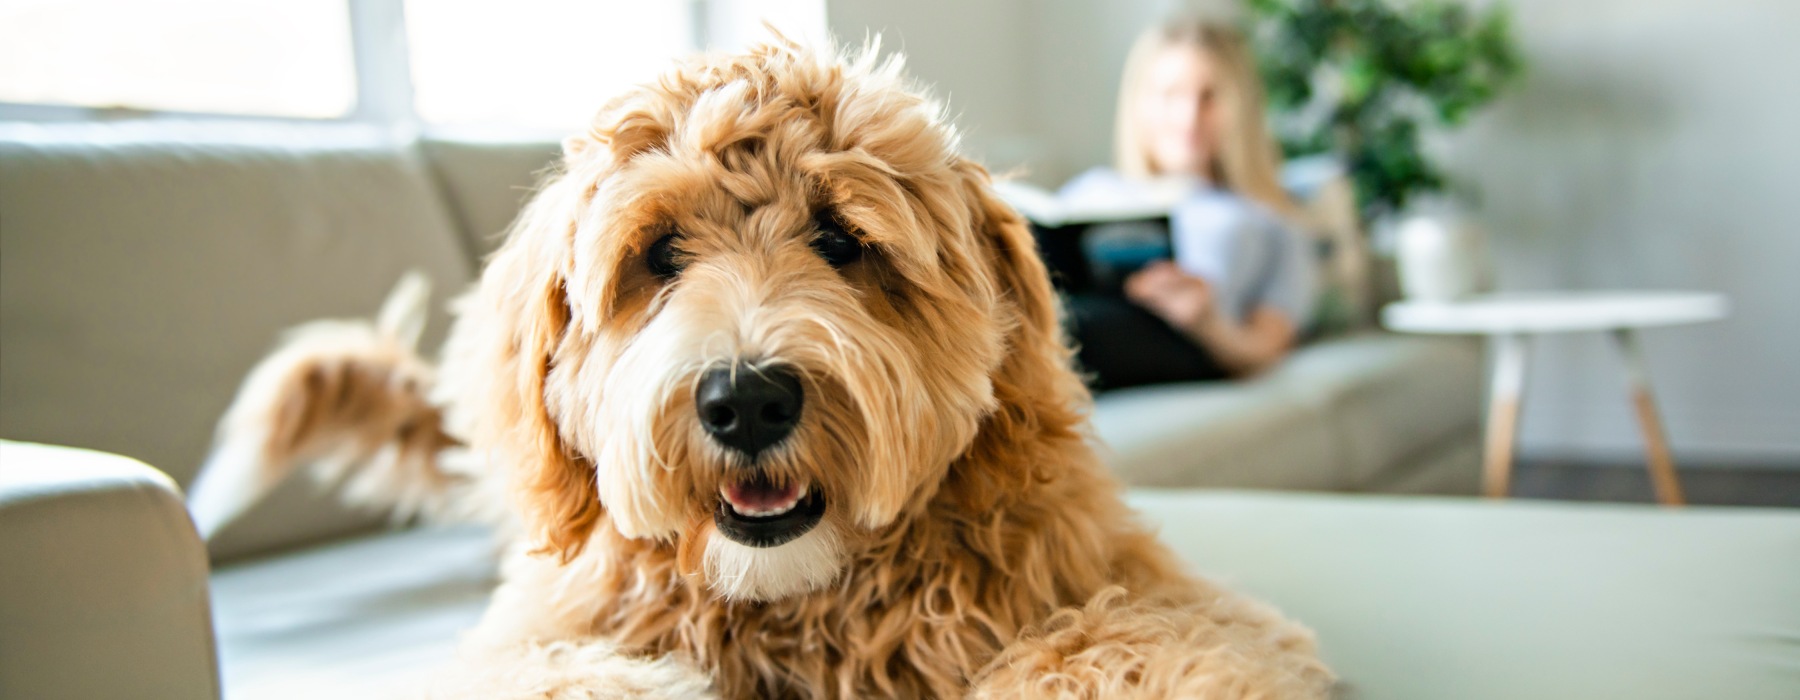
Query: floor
x=1703, y=484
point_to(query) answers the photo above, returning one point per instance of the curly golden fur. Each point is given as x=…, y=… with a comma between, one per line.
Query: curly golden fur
x=972, y=545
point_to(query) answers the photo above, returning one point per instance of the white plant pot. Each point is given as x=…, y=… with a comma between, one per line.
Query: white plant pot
x=1440, y=258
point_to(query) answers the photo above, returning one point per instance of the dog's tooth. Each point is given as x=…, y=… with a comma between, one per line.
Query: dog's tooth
x=764, y=512
x=799, y=495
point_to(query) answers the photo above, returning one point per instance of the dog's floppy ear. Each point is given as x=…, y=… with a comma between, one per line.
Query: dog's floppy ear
x=1039, y=394
x=1038, y=358
x=518, y=320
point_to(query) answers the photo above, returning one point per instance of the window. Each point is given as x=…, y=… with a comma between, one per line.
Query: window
x=542, y=63
x=288, y=58
x=522, y=63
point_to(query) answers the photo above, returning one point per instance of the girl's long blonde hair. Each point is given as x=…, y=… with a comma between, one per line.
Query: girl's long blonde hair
x=1247, y=161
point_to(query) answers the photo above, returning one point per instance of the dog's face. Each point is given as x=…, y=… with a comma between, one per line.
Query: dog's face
x=759, y=315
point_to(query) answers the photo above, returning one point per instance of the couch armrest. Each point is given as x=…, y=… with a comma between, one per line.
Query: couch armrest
x=103, y=581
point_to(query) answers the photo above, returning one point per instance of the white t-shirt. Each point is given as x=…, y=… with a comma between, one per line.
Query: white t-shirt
x=1249, y=256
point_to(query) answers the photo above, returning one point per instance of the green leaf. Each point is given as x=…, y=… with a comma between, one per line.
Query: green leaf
x=1401, y=65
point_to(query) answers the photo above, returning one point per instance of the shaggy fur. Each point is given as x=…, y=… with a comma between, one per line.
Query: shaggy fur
x=973, y=544
x=347, y=397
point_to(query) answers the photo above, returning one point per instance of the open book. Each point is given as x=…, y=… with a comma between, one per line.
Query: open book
x=1092, y=246
x=1044, y=208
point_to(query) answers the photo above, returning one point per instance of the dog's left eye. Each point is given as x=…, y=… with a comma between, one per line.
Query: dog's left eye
x=837, y=246
x=662, y=257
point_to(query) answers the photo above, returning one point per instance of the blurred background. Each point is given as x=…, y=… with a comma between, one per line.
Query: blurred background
x=1646, y=143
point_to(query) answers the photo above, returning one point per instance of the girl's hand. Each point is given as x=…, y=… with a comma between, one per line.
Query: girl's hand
x=1181, y=299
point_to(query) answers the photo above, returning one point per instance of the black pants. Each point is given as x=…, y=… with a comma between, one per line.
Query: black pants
x=1120, y=344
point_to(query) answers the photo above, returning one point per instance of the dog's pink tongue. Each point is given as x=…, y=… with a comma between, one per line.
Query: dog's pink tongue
x=760, y=495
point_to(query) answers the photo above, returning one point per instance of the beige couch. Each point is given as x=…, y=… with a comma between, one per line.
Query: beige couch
x=146, y=266
x=104, y=593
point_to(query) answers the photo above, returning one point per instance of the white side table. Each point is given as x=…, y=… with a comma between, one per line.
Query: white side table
x=1513, y=318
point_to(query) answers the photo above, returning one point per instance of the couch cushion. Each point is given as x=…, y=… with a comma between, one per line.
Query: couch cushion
x=1335, y=416
x=145, y=267
x=1390, y=397
x=344, y=621
x=1411, y=597
x=1256, y=434
x=1450, y=598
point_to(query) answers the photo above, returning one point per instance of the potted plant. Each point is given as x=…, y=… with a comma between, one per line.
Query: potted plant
x=1361, y=79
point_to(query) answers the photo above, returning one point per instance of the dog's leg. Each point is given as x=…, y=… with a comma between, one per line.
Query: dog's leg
x=565, y=670
x=349, y=398
x=1111, y=648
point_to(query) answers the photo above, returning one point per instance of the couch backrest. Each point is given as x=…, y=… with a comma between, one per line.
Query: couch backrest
x=487, y=181
x=145, y=267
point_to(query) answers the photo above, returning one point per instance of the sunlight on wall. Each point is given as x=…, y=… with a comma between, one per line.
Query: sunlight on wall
x=734, y=25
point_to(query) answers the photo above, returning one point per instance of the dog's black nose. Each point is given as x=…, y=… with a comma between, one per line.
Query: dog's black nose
x=749, y=409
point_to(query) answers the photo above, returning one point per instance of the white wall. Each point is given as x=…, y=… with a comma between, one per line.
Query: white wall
x=977, y=54
x=1652, y=144
x=1655, y=144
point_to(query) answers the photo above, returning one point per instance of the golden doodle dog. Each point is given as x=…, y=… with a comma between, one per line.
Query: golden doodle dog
x=772, y=391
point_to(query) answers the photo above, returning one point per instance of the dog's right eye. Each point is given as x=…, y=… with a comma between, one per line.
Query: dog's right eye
x=662, y=259
x=837, y=246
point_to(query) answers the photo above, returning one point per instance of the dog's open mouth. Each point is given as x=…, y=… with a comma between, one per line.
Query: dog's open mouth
x=760, y=513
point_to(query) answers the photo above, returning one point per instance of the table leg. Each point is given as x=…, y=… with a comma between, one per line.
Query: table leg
x=1503, y=413
x=1656, y=443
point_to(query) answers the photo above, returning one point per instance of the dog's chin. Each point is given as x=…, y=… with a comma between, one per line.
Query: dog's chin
x=754, y=573
x=771, y=540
